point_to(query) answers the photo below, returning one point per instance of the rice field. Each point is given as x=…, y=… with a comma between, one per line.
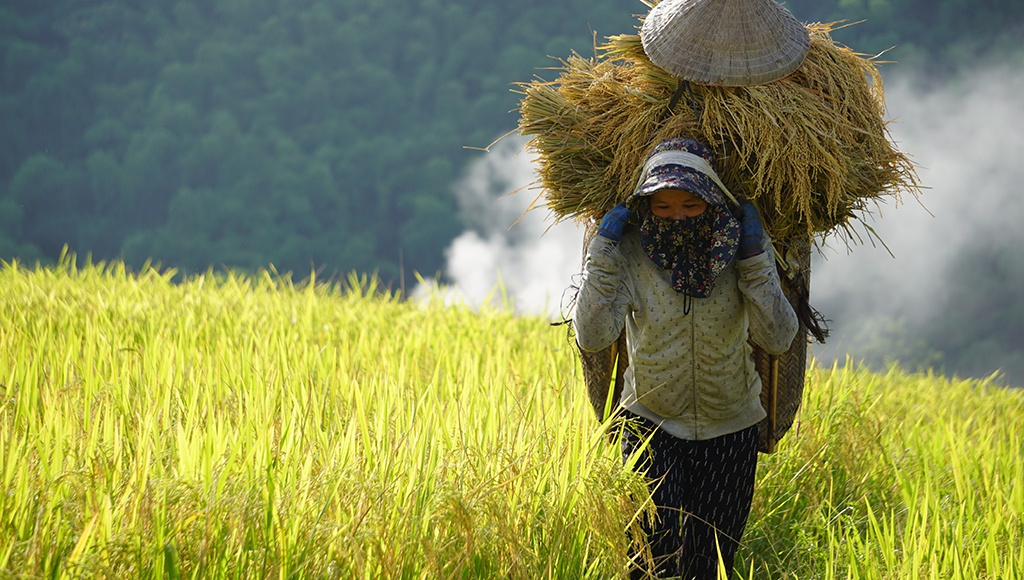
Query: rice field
x=252, y=426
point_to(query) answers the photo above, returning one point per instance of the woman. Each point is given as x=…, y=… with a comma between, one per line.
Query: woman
x=690, y=282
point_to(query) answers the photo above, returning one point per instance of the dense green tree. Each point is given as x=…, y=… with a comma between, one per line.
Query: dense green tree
x=306, y=133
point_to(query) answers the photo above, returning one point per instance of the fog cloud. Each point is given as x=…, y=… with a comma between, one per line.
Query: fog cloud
x=511, y=251
x=967, y=138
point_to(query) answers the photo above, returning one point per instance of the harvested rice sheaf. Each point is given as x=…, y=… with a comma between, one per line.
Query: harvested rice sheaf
x=812, y=151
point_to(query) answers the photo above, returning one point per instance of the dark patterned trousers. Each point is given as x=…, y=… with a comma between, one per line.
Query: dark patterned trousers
x=702, y=491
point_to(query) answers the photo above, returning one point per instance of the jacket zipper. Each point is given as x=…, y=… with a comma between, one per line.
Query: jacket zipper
x=693, y=370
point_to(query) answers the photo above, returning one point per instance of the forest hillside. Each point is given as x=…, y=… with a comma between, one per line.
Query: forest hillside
x=311, y=133
x=328, y=135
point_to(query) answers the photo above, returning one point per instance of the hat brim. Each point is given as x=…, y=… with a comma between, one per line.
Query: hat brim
x=679, y=177
x=725, y=42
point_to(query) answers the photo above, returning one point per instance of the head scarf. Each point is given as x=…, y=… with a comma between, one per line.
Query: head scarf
x=698, y=249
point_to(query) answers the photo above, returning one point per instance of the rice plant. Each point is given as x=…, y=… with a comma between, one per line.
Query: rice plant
x=249, y=426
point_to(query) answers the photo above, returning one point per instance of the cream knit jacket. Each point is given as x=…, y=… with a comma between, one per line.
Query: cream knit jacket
x=691, y=373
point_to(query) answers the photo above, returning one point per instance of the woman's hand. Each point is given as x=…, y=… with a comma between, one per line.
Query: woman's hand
x=614, y=222
x=751, y=231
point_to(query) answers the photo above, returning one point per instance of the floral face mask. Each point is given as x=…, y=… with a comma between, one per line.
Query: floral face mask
x=696, y=249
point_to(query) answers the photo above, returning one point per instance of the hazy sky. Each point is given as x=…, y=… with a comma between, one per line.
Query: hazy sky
x=966, y=137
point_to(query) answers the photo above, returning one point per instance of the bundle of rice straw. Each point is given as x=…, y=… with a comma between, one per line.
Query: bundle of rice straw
x=811, y=150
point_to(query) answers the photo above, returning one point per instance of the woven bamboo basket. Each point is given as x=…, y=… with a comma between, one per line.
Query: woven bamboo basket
x=782, y=376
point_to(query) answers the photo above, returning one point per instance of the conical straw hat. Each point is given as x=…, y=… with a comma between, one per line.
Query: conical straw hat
x=725, y=42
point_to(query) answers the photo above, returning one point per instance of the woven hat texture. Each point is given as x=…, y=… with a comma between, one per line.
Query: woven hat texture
x=725, y=42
